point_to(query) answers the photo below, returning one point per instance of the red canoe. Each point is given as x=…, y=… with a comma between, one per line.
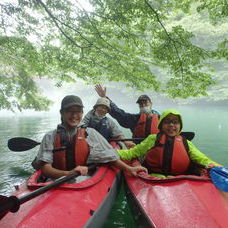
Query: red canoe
x=179, y=202
x=83, y=204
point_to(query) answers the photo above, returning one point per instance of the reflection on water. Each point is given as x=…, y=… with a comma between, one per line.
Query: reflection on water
x=121, y=215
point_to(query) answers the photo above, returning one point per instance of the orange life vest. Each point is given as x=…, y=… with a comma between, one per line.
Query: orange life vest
x=168, y=156
x=146, y=125
x=76, y=152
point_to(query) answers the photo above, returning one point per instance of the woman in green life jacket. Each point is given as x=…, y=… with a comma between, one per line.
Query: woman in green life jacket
x=168, y=153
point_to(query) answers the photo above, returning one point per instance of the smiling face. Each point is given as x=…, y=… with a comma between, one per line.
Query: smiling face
x=171, y=125
x=72, y=116
x=101, y=110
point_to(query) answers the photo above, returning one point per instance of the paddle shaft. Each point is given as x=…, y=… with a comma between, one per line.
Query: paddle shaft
x=130, y=139
x=188, y=134
x=13, y=203
x=43, y=189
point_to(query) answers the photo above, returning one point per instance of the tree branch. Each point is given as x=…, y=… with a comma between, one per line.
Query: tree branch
x=98, y=32
x=170, y=38
x=68, y=37
x=57, y=25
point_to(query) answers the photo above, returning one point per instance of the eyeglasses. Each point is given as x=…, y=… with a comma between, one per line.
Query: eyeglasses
x=174, y=121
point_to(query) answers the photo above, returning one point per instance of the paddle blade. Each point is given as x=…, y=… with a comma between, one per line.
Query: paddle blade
x=189, y=135
x=11, y=203
x=219, y=176
x=21, y=144
x=3, y=200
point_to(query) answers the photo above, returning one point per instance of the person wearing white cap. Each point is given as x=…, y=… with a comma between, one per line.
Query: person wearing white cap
x=141, y=124
x=97, y=119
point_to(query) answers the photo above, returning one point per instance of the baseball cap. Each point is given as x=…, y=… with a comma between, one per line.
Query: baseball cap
x=71, y=100
x=143, y=98
x=102, y=101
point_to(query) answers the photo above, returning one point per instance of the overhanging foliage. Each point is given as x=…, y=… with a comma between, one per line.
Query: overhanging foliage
x=113, y=41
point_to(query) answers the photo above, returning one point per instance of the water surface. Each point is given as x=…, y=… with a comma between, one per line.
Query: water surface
x=210, y=125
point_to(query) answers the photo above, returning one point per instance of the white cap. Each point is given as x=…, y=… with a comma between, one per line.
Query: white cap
x=102, y=101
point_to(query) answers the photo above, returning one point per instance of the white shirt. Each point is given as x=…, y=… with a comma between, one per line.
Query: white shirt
x=100, y=150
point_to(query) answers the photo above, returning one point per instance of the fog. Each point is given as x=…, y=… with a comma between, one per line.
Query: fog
x=118, y=92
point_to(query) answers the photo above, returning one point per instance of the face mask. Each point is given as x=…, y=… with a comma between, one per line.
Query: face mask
x=98, y=116
x=146, y=109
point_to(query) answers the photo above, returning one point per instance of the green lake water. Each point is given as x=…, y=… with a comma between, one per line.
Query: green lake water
x=210, y=125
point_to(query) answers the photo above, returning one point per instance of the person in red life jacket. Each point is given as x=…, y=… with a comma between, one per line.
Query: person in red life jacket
x=98, y=120
x=168, y=152
x=80, y=146
x=141, y=124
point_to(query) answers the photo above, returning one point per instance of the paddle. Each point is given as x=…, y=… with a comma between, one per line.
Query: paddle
x=219, y=176
x=12, y=203
x=19, y=144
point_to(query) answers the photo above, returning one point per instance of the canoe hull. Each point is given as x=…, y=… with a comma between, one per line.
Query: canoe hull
x=181, y=203
x=84, y=204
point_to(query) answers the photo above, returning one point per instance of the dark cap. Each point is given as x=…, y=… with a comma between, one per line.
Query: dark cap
x=143, y=98
x=71, y=100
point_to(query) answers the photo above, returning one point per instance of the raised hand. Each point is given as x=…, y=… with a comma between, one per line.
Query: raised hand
x=100, y=90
